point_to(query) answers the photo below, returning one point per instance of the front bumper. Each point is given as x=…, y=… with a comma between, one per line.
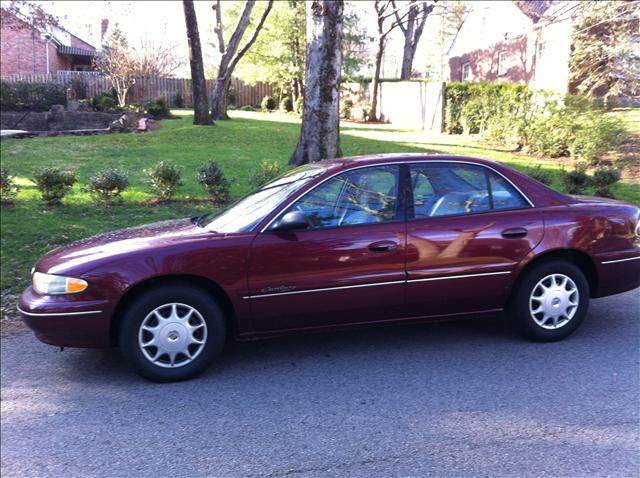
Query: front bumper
x=56, y=320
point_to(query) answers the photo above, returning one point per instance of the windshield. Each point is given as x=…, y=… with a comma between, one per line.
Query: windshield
x=245, y=214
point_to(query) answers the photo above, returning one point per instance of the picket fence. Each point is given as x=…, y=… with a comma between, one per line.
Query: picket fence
x=148, y=89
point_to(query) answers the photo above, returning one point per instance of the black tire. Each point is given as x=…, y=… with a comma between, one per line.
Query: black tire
x=518, y=311
x=147, y=303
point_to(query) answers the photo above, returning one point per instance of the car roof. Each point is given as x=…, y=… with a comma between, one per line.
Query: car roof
x=365, y=160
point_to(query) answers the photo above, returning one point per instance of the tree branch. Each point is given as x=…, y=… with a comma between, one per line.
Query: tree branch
x=218, y=26
x=398, y=20
x=247, y=45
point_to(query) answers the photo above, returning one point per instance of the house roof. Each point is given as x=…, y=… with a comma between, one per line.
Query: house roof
x=534, y=9
x=49, y=30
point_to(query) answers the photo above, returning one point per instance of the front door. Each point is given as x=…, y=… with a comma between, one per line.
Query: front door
x=468, y=228
x=348, y=266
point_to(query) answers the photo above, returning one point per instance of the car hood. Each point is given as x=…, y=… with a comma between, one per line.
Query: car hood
x=122, y=241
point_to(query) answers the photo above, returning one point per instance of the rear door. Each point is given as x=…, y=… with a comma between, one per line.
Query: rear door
x=468, y=228
x=347, y=267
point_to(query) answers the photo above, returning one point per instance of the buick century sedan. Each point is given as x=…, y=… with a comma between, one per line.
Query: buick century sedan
x=364, y=241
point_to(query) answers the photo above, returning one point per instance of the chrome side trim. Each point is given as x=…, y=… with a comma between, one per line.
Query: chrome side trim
x=431, y=161
x=459, y=277
x=374, y=284
x=57, y=314
x=621, y=260
x=323, y=290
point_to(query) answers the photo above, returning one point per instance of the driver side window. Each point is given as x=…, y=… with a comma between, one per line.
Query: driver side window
x=362, y=196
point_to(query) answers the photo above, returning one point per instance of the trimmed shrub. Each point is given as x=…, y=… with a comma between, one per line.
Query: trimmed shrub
x=345, y=109
x=286, y=104
x=8, y=187
x=604, y=178
x=105, y=101
x=575, y=181
x=178, y=101
x=595, y=134
x=106, y=186
x=541, y=175
x=247, y=108
x=158, y=108
x=54, y=184
x=298, y=105
x=266, y=172
x=21, y=96
x=212, y=177
x=268, y=103
x=165, y=178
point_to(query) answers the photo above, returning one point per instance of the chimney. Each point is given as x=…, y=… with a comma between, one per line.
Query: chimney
x=104, y=26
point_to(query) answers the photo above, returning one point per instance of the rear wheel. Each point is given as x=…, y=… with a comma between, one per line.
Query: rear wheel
x=172, y=333
x=550, y=301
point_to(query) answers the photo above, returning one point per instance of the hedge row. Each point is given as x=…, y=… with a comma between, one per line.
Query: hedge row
x=512, y=115
x=22, y=96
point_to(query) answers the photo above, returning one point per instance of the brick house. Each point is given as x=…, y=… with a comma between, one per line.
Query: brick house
x=26, y=50
x=519, y=41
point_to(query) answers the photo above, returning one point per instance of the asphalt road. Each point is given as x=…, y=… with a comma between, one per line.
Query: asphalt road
x=455, y=399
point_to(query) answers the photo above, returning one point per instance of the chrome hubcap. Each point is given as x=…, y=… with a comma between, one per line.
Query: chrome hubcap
x=554, y=301
x=172, y=335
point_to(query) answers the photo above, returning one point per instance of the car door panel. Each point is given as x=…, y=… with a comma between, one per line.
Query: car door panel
x=347, y=267
x=471, y=227
x=463, y=264
x=323, y=277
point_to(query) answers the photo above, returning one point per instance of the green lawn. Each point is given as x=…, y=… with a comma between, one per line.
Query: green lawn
x=30, y=229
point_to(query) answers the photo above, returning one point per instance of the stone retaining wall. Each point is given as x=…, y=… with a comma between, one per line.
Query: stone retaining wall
x=56, y=120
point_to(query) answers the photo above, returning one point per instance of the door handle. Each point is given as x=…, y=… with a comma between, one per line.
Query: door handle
x=514, y=232
x=383, y=246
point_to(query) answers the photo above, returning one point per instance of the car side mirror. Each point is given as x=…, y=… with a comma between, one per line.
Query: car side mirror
x=292, y=221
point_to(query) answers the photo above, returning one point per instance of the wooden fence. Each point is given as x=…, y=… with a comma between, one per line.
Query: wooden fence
x=148, y=89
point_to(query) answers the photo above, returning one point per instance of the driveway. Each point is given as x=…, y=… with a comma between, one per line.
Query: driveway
x=451, y=399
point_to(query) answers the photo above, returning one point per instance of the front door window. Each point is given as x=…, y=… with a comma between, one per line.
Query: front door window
x=361, y=196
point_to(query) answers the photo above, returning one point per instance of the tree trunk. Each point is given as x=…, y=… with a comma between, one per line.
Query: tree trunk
x=198, y=83
x=231, y=55
x=373, y=115
x=320, y=131
x=408, y=51
x=412, y=29
x=220, y=94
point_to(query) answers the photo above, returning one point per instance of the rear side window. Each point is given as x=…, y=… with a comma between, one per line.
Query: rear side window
x=460, y=189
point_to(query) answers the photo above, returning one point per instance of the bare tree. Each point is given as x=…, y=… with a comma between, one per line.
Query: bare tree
x=381, y=8
x=386, y=9
x=232, y=53
x=119, y=64
x=412, y=27
x=198, y=83
x=320, y=132
x=157, y=58
x=15, y=13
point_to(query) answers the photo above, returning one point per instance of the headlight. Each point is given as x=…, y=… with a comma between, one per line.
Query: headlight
x=50, y=284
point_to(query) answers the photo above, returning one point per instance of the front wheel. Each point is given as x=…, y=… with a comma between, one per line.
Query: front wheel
x=172, y=333
x=550, y=301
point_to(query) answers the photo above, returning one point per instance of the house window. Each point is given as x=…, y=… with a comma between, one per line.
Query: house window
x=502, y=63
x=466, y=71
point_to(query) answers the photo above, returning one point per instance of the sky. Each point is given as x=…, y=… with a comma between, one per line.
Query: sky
x=165, y=20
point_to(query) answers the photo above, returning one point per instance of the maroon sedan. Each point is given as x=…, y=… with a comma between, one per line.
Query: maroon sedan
x=351, y=242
